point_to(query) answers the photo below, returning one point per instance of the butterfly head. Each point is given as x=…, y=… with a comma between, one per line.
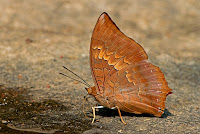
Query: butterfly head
x=91, y=90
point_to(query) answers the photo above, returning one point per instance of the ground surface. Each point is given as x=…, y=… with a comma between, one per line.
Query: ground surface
x=38, y=37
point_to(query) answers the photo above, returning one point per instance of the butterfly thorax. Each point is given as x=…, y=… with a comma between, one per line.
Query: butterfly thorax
x=104, y=100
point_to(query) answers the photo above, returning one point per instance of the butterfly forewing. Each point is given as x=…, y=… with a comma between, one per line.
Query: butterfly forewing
x=122, y=75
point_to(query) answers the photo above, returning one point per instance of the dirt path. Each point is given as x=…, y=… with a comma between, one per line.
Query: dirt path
x=38, y=37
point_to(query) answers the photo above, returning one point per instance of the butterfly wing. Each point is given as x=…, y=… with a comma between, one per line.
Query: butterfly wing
x=120, y=70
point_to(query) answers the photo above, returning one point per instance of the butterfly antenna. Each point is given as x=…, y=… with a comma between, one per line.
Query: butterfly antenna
x=76, y=80
x=77, y=76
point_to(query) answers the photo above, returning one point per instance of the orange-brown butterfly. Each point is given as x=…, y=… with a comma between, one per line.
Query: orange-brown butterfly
x=123, y=77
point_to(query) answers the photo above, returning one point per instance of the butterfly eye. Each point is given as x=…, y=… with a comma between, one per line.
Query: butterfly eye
x=89, y=90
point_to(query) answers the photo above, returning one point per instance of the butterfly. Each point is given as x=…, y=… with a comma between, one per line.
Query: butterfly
x=122, y=75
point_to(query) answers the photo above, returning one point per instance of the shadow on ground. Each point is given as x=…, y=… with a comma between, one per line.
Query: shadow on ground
x=48, y=116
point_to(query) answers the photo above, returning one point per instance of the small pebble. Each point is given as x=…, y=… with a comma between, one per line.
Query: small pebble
x=4, y=121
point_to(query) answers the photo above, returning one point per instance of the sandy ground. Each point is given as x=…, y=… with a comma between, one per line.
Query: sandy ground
x=38, y=37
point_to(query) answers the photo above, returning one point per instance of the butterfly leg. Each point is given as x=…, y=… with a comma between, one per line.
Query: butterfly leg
x=84, y=107
x=120, y=115
x=93, y=108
